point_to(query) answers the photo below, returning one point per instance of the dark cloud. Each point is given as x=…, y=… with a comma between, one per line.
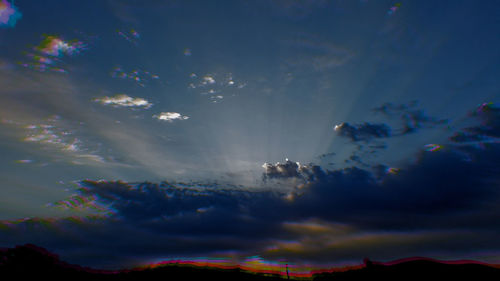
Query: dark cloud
x=467, y=137
x=327, y=155
x=363, y=132
x=148, y=221
x=355, y=158
x=442, y=202
x=489, y=128
x=412, y=119
x=432, y=195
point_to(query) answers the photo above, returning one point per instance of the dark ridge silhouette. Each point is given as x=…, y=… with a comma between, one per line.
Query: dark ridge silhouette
x=30, y=261
x=417, y=269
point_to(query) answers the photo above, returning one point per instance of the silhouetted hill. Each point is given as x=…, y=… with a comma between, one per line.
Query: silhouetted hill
x=416, y=269
x=30, y=261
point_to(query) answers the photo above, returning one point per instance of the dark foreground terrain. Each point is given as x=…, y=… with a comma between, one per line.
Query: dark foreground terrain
x=37, y=263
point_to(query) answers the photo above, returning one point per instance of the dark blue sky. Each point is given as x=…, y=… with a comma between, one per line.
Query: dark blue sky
x=314, y=131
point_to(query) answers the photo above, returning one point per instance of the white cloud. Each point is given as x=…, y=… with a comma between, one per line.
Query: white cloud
x=170, y=116
x=208, y=79
x=124, y=101
x=216, y=99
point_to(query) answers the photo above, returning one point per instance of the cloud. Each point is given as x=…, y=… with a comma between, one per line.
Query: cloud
x=288, y=169
x=9, y=15
x=215, y=85
x=217, y=98
x=124, y=101
x=292, y=170
x=326, y=241
x=170, y=116
x=55, y=133
x=363, y=132
x=140, y=77
x=207, y=79
x=30, y=98
x=55, y=46
x=440, y=184
x=433, y=147
x=48, y=54
x=412, y=119
x=145, y=214
x=369, y=135
x=131, y=36
x=393, y=8
x=489, y=128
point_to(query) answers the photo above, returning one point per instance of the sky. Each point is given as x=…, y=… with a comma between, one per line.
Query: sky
x=312, y=132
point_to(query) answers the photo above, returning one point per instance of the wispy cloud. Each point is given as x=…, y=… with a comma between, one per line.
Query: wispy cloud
x=412, y=119
x=139, y=76
x=53, y=133
x=327, y=241
x=215, y=85
x=47, y=94
x=363, y=132
x=132, y=36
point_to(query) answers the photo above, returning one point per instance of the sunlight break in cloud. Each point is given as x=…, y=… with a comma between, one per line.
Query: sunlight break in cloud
x=288, y=169
x=124, y=101
x=170, y=116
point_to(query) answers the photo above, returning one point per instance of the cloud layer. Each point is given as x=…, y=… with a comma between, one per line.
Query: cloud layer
x=441, y=205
